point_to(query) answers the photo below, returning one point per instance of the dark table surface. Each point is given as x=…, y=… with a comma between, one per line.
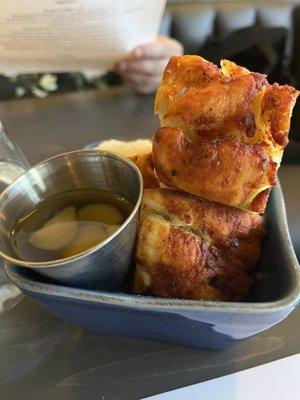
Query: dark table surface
x=41, y=357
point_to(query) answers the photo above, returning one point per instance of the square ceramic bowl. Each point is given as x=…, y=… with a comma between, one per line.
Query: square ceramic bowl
x=202, y=324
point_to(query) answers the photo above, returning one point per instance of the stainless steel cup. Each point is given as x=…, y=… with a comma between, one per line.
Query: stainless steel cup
x=105, y=265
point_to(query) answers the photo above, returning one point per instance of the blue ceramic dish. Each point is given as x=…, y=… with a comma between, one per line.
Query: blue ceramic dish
x=202, y=324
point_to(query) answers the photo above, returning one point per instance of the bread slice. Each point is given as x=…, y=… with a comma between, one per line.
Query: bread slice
x=224, y=131
x=193, y=248
x=224, y=169
x=127, y=148
x=140, y=152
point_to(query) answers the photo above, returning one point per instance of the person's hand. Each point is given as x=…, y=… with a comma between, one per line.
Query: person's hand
x=142, y=68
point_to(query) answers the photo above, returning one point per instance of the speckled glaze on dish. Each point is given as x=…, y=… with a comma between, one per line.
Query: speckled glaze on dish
x=202, y=324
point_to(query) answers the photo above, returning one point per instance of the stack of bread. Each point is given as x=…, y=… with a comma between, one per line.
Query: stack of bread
x=207, y=179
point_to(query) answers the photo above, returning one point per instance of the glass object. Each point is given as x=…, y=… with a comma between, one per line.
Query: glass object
x=12, y=164
x=12, y=161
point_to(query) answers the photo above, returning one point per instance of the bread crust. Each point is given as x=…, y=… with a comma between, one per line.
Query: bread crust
x=206, y=113
x=224, y=169
x=145, y=164
x=194, y=248
x=140, y=152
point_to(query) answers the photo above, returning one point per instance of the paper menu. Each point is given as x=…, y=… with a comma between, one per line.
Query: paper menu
x=73, y=35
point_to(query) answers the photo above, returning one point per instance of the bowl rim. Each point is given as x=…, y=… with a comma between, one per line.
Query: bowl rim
x=62, y=261
x=132, y=301
x=176, y=305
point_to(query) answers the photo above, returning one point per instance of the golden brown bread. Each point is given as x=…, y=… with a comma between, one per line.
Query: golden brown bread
x=126, y=148
x=140, y=152
x=145, y=164
x=194, y=248
x=223, y=169
x=207, y=113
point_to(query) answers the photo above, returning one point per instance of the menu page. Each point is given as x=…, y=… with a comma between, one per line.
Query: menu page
x=73, y=35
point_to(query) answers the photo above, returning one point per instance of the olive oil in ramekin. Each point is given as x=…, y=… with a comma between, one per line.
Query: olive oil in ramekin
x=68, y=223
